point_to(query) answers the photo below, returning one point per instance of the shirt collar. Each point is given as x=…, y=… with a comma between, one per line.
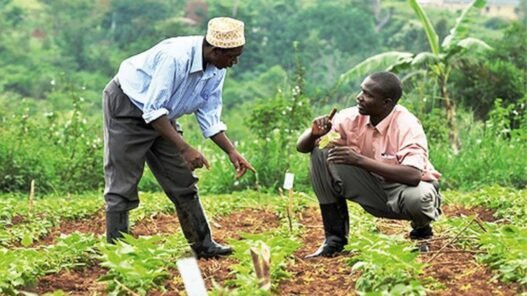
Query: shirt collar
x=197, y=57
x=197, y=62
x=383, y=125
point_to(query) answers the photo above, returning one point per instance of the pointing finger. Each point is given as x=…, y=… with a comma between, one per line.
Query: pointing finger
x=206, y=163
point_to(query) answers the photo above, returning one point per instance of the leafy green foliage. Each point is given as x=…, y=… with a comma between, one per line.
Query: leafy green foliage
x=46, y=213
x=58, y=151
x=49, y=61
x=387, y=265
x=506, y=247
x=508, y=203
x=141, y=263
x=277, y=123
x=22, y=267
x=491, y=151
x=282, y=244
x=503, y=246
x=496, y=74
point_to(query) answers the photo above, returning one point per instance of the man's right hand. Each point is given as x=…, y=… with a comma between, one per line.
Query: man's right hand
x=194, y=159
x=322, y=125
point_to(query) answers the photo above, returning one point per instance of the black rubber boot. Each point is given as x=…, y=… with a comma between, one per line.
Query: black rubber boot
x=196, y=229
x=421, y=233
x=336, y=229
x=116, y=224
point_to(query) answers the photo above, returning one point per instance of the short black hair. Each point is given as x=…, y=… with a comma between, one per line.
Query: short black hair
x=390, y=85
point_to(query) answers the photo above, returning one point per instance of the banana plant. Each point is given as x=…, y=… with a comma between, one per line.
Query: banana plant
x=437, y=62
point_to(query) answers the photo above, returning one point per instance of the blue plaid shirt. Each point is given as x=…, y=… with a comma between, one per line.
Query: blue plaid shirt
x=169, y=79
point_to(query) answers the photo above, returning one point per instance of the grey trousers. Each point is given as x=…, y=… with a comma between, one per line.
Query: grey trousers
x=419, y=204
x=128, y=143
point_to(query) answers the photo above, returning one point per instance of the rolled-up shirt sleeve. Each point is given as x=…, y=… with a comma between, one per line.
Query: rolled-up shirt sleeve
x=413, y=149
x=209, y=114
x=160, y=89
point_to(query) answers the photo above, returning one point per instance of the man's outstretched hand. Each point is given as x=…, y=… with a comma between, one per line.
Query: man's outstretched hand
x=240, y=164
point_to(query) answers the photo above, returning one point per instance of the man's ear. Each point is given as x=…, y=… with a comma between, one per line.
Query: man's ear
x=388, y=101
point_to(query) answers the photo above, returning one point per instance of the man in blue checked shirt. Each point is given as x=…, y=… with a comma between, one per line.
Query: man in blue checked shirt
x=178, y=76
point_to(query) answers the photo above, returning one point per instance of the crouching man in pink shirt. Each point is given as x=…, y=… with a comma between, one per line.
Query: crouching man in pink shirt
x=380, y=162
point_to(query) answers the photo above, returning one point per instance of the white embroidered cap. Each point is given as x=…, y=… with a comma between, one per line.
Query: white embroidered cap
x=225, y=32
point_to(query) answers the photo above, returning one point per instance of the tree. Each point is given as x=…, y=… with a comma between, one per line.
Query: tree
x=438, y=61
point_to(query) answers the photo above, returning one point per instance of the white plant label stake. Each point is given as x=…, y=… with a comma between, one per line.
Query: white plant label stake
x=189, y=270
x=288, y=181
x=288, y=185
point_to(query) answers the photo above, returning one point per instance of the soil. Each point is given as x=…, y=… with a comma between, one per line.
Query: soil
x=454, y=271
x=225, y=228
x=482, y=213
x=460, y=274
x=74, y=282
x=158, y=224
x=17, y=219
x=95, y=224
x=316, y=276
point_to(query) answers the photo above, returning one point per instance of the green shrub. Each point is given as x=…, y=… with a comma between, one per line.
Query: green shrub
x=490, y=151
x=60, y=151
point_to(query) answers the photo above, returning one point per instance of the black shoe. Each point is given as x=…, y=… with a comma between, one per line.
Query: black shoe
x=214, y=250
x=335, y=219
x=424, y=232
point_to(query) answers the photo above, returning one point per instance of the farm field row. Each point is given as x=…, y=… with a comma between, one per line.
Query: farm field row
x=479, y=248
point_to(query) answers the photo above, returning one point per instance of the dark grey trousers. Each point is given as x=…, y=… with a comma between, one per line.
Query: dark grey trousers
x=128, y=143
x=419, y=204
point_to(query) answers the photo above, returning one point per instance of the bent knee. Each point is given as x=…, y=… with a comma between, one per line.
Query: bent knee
x=421, y=198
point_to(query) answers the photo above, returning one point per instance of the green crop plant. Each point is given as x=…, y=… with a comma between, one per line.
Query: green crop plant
x=503, y=247
x=44, y=214
x=282, y=245
x=509, y=204
x=387, y=265
x=22, y=267
x=139, y=264
x=506, y=252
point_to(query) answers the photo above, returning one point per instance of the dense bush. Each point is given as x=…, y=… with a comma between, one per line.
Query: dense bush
x=490, y=152
x=499, y=73
x=61, y=152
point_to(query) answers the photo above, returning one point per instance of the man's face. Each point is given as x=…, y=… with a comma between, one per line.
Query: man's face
x=226, y=58
x=370, y=100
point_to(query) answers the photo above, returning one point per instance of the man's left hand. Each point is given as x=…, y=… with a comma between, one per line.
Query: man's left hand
x=240, y=164
x=344, y=155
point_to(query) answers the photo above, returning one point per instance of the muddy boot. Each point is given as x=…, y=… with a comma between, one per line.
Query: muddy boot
x=336, y=228
x=116, y=224
x=196, y=229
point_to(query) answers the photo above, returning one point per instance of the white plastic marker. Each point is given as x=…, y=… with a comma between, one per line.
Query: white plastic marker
x=288, y=185
x=189, y=270
x=288, y=181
